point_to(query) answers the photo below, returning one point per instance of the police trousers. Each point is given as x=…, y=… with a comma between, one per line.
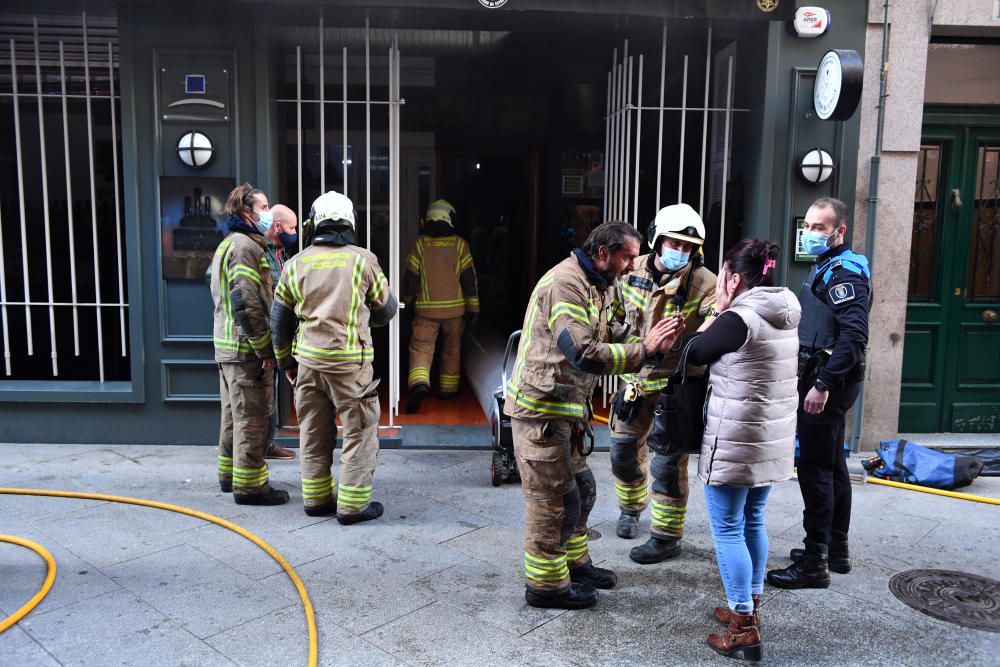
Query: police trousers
x=822, y=465
x=422, y=343
x=559, y=492
x=320, y=398
x=631, y=466
x=246, y=394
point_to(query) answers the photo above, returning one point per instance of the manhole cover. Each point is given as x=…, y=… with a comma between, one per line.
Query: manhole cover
x=957, y=597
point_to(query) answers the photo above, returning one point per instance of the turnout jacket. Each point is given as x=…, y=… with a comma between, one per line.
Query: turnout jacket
x=440, y=273
x=572, y=317
x=326, y=299
x=242, y=291
x=689, y=291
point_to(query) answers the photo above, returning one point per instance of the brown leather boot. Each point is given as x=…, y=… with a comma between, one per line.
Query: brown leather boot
x=725, y=615
x=741, y=638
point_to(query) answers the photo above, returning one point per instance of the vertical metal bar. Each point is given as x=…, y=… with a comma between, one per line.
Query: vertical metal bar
x=659, y=137
x=322, y=112
x=725, y=161
x=93, y=201
x=704, y=125
x=298, y=129
x=70, y=227
x=627, y=164
x=615, y=117
x=396, y=259
x=609, y=159
x=345, y=151
x=20, y=199
x=622, y=139
x=118, y=223
x=607, y=144
x=638, y=145
x=680, y=158
x=368, y=138
x=43, y=160
x=393, y=230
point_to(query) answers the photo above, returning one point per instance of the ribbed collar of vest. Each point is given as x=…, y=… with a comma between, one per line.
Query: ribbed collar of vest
x=588, y=268
x=833, y=252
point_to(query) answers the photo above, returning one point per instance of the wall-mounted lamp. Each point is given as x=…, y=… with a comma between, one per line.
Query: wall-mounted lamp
x=195, y=149
x=816, y=166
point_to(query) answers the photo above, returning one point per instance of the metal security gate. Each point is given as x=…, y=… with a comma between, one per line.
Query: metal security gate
x=624, y=140
x=356, y=147
x=63, y=292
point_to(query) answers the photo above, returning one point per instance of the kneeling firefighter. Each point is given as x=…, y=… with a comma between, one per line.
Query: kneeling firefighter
x=572, y=317
x=331, y=292
x=668, y=282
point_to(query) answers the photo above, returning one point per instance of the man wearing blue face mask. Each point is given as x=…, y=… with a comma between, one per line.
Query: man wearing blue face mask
x=669, y=282
x=833, y=335
x=278, y=225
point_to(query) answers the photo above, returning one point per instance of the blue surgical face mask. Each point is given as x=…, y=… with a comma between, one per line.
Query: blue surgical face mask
x=264, y=224
x=288, y=239
x=815, y=243
x=674, y=260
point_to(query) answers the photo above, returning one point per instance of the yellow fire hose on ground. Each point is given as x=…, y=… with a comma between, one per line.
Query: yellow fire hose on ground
x=51, y=575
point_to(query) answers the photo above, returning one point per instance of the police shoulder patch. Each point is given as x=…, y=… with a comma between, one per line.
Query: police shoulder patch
x=842, y=293
x=640, y=282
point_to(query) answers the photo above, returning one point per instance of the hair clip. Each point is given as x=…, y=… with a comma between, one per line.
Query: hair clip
x=768, y=264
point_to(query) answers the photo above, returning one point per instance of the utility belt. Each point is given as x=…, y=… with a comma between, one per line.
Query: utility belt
x=813, y=359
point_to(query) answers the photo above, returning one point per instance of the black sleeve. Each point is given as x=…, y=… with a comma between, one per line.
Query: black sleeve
x=411, y=285
x=727, y=334
x=848, y=296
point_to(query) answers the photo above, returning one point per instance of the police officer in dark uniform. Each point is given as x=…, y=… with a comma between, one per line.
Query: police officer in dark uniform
x=833, y=335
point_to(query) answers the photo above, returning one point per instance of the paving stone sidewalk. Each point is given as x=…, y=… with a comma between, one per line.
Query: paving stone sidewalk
x=437, y=580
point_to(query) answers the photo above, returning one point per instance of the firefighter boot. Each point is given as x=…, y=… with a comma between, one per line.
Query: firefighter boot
x=656, y=550
x=628, y=525
x=725, y=615
x=808, y=572
x=270, y=497
x=598, y=577
x=417, y=396
x=226, y=485
x=373, y=511
x=741, y=637
x=839, y=559
x=577, y=596
x=326, y=509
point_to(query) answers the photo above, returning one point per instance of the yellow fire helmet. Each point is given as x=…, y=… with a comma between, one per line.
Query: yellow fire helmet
x=441, y=209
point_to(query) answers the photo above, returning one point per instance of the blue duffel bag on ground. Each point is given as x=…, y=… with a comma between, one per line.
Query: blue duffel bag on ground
x=904, y=461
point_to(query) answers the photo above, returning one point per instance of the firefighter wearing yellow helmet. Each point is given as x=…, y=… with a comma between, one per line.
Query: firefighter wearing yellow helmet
x=327, y=298
x=440, y=284
x=667, y=282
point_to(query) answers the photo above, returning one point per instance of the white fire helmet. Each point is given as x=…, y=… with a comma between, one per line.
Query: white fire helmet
x=332, y=206
x=678, y=221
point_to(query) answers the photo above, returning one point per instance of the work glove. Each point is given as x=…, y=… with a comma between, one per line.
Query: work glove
x=627, y=404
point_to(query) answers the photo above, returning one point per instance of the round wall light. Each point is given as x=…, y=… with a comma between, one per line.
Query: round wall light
x=195, y=149
x=816, y=166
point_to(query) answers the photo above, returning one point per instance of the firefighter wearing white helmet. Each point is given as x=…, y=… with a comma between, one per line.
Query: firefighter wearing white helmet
x=669, y=282
x=328, y=297
x=440, y=282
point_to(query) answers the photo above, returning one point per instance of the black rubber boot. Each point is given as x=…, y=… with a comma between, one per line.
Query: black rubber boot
x=447, y=395
x=656, y=550
x=839, y=557
x=373, y=511
x=417, y=396
x=628, y=525
x=598, y=577
x=810, y=571
x=577, y=596
x=326, y=509
x=226, y=486
x=270, y=497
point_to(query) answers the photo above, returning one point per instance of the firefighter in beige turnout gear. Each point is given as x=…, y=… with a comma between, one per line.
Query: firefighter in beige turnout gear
x=241, y=287
x=566, y=344
x=328, y=296
x=440, y=281
x=668, y=282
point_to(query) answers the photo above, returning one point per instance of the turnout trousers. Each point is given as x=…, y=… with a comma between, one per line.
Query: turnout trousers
x=559, y=492
x=631, y=466
x=822, y=466
x=422, y=342
x=246, y=392
x=321, y=397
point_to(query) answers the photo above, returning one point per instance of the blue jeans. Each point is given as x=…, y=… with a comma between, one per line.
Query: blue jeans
x=737, y=518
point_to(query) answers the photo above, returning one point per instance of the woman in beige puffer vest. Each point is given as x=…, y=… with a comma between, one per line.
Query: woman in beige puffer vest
x=751, y=350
